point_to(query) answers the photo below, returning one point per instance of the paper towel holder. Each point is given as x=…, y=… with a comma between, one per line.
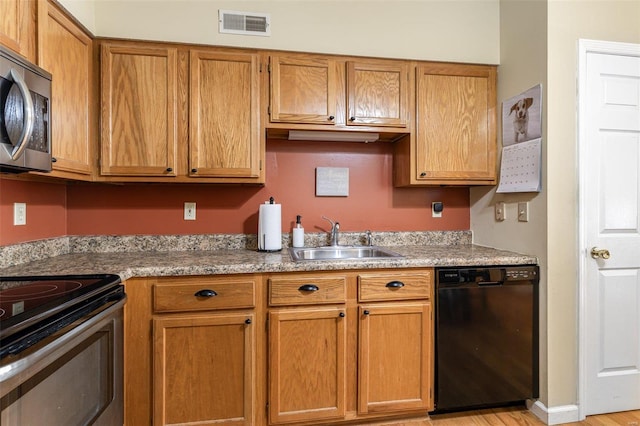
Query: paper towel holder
x=269, y=238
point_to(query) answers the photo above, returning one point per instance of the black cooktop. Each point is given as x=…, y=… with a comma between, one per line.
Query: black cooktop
x=28, y=305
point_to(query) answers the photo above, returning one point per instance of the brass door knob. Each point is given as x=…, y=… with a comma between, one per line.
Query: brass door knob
x=597, y=253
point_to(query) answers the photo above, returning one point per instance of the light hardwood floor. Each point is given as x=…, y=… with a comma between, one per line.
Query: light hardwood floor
x=517, y=417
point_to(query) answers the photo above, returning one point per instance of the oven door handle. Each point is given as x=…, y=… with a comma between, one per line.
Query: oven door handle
x=27, y=107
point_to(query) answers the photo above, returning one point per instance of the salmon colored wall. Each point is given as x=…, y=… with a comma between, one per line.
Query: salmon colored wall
x=46, y=215
x=372, y=203
x=55, y=210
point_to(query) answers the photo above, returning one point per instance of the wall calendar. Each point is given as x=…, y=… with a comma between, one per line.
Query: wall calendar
x=520, y=168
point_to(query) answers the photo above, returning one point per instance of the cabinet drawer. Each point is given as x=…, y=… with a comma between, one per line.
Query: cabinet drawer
x=307, y=290
x=179, y=295
x=394, y=286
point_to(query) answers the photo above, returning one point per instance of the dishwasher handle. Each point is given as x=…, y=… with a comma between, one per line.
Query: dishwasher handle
x=489, y=283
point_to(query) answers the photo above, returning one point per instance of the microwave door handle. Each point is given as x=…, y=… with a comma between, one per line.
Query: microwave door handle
x=27, y=129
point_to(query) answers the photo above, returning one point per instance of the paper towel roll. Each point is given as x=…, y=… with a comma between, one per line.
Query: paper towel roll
x=270, y=227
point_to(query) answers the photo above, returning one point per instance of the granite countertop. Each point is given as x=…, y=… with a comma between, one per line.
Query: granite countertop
x=147, y=263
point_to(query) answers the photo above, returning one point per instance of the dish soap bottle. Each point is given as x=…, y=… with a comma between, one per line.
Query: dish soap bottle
x=298, y=233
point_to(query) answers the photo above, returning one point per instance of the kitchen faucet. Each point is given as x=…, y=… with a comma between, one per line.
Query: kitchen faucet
x=335, y=232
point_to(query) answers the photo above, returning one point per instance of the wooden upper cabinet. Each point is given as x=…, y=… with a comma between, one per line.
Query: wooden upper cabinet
x=377, y=93
x=303, y=89
x=224, y=106
x=139, y=110
x=18, y=27
x=455, y=139
x=66, y=51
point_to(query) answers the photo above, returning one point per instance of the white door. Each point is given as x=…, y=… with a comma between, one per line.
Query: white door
x=609, y=145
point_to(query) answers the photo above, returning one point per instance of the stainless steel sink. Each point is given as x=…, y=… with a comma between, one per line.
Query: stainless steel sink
x=341, y=253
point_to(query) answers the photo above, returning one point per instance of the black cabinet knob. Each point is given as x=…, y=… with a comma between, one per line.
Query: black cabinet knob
x=423, y=174
x=205, y=293
x=331, y=118
x=247, y=321
x=366, y=312
x=352, y=119
x=169, y=169
x=194, y=170
x=54, y=159
x=341, y=315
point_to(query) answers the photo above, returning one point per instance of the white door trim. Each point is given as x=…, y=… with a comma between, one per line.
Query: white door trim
x=585, y=47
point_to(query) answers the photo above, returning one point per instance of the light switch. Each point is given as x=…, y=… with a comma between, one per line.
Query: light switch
x=523, y=212
x=501, y=213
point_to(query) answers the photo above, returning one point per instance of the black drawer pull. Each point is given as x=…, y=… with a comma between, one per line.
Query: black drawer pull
x=395, y=284
x=309, y=287
x=205, y=293
x=341, y=315
x=247, y=321
x=365, y=312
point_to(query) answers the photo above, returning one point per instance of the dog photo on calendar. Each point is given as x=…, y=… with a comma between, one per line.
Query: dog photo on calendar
x=522, y=117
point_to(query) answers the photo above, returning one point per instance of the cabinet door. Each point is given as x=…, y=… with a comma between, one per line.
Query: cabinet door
x=66, y=52
x=224, y=114
x=139, y=110
x=303, y=90
x=307, y=353
x=456, y=110
x=204, y=369
x=395, y=365
x=377, y=94
x=18, y=26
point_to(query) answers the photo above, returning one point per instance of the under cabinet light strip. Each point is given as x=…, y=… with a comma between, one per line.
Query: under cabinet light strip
x=310, y=135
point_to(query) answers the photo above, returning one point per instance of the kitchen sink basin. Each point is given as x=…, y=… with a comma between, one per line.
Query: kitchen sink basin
x=341, y=253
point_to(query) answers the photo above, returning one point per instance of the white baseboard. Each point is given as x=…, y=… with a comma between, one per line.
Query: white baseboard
x=554, y=415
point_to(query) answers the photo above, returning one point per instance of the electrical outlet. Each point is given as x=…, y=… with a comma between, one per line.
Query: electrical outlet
x=501, y=213
x=19, y=214
x=189, y=211
x=523, y=212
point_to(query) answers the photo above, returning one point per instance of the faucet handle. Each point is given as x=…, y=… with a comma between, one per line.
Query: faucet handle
x=333, y=224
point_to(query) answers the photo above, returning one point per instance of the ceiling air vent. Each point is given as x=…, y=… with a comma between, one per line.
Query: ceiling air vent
x=247, y=23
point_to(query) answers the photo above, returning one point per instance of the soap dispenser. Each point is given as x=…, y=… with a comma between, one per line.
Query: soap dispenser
x=298, y=233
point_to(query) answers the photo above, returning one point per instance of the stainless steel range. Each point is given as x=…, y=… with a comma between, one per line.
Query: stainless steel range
x=61, y=350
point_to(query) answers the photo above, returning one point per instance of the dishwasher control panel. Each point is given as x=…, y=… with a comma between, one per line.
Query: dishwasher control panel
x=480, y=275
x=518, y=274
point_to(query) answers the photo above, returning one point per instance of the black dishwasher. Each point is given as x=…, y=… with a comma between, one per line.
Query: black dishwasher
x=486, y=336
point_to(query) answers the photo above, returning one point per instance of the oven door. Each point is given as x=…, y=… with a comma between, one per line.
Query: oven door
x=74, y=377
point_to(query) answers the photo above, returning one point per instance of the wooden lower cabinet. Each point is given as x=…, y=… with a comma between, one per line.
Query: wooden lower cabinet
x=394, y=351
x=363, y=351
x=304, y=348
x=307, y=364
x=203, y=369
x=193, y=347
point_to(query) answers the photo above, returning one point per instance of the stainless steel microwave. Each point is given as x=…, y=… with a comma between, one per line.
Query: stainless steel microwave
x=25, y=111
